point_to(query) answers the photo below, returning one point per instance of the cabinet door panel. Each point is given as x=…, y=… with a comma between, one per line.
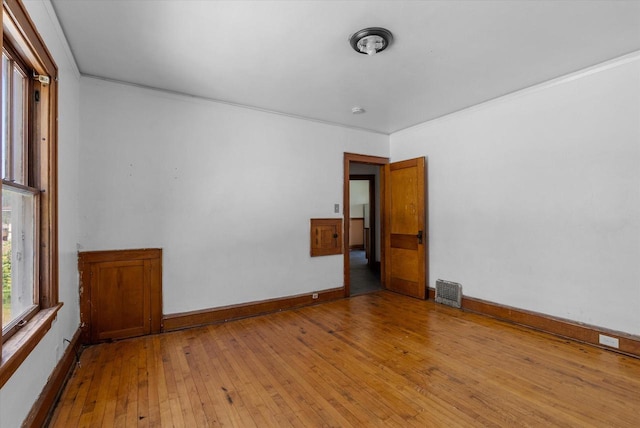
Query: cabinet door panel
x=120, y=294
x=120, y=300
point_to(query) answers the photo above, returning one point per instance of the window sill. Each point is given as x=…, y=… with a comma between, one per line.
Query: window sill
x=17, y=348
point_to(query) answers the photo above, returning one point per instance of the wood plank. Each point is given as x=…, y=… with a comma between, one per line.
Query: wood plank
x=150, y=365
x=158, y=373
x=379, y=359
x=173, y=398
x=133, y=385
x=229, y=393
x=113, y=401
x=205, y=390
x=143, y=388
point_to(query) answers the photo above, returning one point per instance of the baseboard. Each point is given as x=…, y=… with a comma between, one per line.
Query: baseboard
x=44, y=405
x=628, y=344
x=184, y=320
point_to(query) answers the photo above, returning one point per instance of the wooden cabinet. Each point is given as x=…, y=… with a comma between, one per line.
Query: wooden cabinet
x=326, y=236
x=120, y=294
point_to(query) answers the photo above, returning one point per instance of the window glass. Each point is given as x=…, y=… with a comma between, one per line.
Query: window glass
x=6, y=139
x=18, y=125
x=18, y=256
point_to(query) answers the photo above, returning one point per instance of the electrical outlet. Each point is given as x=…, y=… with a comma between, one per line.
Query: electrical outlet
x=314, y=296
x=612, y=342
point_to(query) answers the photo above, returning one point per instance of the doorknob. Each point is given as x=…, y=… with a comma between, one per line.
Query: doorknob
x=419, y=236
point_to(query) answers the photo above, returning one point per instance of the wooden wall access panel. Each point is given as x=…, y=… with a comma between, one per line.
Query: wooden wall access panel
x=326, y=236
x=120, y=294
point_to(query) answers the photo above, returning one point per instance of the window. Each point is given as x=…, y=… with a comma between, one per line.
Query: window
x=19, y=199
x=28, y=188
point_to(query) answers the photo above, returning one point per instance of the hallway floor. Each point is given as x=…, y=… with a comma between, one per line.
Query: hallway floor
x=363, y=279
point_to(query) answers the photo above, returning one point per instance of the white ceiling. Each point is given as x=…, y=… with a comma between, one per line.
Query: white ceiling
x=294, y=57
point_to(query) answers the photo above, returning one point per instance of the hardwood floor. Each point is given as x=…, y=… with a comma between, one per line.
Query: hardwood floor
x=377, y=359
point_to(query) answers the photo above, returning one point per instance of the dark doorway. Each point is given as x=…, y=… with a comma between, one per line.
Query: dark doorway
x=364, y=264
x=363, y=258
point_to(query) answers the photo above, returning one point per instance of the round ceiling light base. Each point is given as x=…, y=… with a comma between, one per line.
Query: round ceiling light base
x=370, y=41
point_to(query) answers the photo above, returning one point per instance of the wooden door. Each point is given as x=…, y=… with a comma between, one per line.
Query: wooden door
x=405, y=227
x=120, y=294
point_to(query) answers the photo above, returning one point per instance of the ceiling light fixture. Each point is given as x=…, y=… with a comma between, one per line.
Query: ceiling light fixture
x=370, y=41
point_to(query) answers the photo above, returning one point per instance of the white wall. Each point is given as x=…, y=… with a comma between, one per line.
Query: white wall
x=21, y=391
x=534, y=198
x=358, y=197
x=227, y=192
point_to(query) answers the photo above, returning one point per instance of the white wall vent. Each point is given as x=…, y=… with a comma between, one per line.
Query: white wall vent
x=449, y=293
